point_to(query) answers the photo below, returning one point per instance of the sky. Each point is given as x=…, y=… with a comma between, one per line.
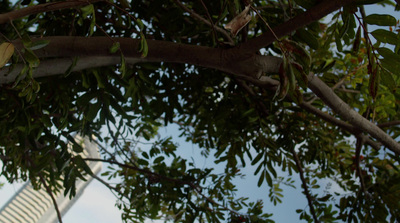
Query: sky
x=97, y=203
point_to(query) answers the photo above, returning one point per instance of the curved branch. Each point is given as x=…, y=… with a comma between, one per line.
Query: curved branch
x=35, y=9
x=158, y=51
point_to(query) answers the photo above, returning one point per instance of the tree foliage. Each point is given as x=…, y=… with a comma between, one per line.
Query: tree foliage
x=302, y=87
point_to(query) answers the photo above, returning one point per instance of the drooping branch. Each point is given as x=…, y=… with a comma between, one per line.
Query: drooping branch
x=305, y=187
x=49, y=191
x=47, y=7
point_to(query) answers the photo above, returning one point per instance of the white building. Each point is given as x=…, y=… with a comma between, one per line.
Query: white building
x=32, y=206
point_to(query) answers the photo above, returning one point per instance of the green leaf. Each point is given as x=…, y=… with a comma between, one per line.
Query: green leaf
x=143, y=48
x=140, y=24
x=261, y=179
x=390, y=66
x=123, y=66
x=258, y=158
x=92, y=111
x=38, y=44
x=307, y=4
x=385, y=36
x=100, y=81
x=71, y=67
x=87, y=10
x=115, y=47
x=77, y=148
x=388, y=80
x=145, y=155
x=388, y=54
x=159, y=159
x=357, y=41
x=268, y=178
x=338, y=41
x=380, y=20
x=31, y=58
x=306, y=37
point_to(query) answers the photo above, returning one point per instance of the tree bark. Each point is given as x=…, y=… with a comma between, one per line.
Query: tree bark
x=47, y=7
x=227, y=60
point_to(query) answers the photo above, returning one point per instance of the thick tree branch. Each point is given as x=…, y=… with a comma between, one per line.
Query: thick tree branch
x=317, y=12
x=159, y=51
x=47, y=7
x=52, y=67
x=343, y=125
x=341, y=108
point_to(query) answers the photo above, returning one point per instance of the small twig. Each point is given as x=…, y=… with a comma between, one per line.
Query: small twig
x=389, y=124
x=52, y=197
x=305, y=187
x=46, y=7
x=199, y=17
x=106, y=184
x=348, y=90
x=195, y=187
x=271, y=30
x=210, y=19
x=148, y=172
x=359, y=144
x=252, y=93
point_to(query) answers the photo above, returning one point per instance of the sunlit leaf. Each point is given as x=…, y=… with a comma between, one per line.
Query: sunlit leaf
x=6, y=51
x=38, y=44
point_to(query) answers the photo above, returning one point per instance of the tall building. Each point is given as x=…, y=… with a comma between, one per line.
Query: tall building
x=35, y=206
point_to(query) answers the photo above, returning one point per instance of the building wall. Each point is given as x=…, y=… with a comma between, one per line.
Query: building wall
x=35, y=206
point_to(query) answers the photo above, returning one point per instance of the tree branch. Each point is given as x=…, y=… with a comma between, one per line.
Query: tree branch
x=359, y=145
x=340, y=107
x=147, y=172
x=52, y=67
x=389, y=124
x=159, y=51
x=305, y=187
x=35, y=9
x=343, y=125
x=205, y=21
x=317, y=12
x=52, y=197
x=195, y=187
